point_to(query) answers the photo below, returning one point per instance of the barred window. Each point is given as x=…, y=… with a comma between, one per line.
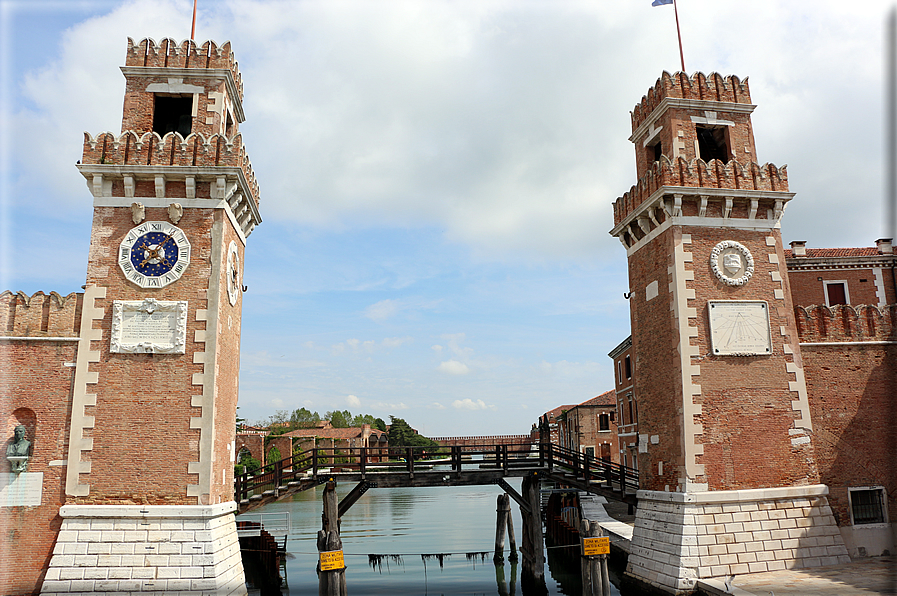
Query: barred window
x=867, y=506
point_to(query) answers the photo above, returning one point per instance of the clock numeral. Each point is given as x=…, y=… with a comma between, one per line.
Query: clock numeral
x=179, y=267
x=127, y=267
x=183, y=253
x=153, y=281
x=136, y=276
x=181, y=239
x=125, y=252
x=142, y=229
x=169, y=278
x=157, y=226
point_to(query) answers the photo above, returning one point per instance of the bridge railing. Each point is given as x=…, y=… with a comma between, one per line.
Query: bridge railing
x=314, y=466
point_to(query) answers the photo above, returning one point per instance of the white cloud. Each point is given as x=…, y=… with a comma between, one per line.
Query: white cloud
x=382, y=310
x=453, y=367
x=277, y=403
x=469, y=404
x=389, y=407
x=353, y=401
x=436, y=406
x=395, y=342
x=436, y=348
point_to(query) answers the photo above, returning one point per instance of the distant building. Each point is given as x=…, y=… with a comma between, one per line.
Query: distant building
x=627, y=405
x=326, y=436
x=591, y=427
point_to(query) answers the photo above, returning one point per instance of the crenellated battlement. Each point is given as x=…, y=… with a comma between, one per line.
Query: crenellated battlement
x=713, y=87
x=846, y=323
x=170, y=54
x=699, y=174
x=40, y=315
x=149, y=149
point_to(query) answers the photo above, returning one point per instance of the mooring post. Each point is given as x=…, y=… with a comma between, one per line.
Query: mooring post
x=532, y=576
x=501, y=510
x=586, y=562
x=331, y=582
x=597, y=530
x=511, y=538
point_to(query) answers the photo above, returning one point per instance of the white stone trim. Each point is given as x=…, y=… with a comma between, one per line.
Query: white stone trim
x=184, y=202
x=879, y=285
x=680, y=538
x=689, y=104
x=886, y=342
x=80, y=421
x=184, y=549
x=686, y=320
x=205, y=422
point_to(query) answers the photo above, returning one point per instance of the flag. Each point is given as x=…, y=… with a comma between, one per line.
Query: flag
x=661, y=2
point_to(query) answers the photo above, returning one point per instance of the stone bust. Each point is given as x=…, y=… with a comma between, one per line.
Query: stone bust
x=19, y=451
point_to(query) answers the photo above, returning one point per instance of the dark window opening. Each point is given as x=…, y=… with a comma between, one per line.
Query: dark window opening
x=590, y=452
x=229, y=126
x=603, y=422
x=657, y=150
x=631, y=414
x=628, y=365
x=612, y=416
x=173, y=114
x=867, y=506
x=713, y=143
x=835, y=294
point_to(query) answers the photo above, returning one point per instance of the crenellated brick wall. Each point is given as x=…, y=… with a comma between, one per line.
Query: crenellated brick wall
x=40, y=315
x=712, y=87
x=170, y=54
x=846, y=323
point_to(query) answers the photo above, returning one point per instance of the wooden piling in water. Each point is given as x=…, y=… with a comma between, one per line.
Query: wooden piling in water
x=502, y=510
x=532, y=576
x=512, y=557
x=595, y=578
x=331, y=582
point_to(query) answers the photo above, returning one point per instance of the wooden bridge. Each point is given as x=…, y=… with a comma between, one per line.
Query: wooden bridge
x=464, y=465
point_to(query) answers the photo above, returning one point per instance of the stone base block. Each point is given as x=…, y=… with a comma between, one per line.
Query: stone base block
x=680, y=538
x=116, y=549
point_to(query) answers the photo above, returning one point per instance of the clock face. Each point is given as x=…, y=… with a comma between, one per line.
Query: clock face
x=154, y=254
x=233, y=273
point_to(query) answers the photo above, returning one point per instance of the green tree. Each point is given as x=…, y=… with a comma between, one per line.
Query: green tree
x=339, y=419
x=303, y=418
x=379, y=424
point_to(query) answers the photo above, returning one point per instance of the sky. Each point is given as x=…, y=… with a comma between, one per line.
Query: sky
x=437, y=176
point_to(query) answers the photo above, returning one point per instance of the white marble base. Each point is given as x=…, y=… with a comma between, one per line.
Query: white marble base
x=163, y=549
x=680, y=538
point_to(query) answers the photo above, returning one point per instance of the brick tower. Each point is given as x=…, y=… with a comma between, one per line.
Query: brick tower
x=149, y=484
x=725, y=438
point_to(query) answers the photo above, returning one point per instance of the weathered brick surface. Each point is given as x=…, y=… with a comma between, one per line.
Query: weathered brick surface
x=35, y=390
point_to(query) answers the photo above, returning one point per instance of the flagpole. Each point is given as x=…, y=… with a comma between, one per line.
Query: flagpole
x=193, y=27
x=678, y=34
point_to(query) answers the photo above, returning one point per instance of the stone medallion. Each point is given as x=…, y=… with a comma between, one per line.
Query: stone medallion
x=732, y=263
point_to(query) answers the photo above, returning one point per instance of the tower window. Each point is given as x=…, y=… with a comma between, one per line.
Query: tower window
x=713, y=142
x=173, y=114
x=628, y=367
x=836, y=293
x=656, y=150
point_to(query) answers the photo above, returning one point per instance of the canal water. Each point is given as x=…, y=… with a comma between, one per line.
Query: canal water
x=457, y=523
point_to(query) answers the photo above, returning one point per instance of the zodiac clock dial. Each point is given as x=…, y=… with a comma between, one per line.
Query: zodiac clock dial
x=154, y=254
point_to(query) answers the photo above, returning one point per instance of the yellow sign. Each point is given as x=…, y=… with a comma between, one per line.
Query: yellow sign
x=596, y=546
x=332, y=560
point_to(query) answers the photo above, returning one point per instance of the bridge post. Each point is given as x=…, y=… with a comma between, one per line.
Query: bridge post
x=502, y=511
x=532, y=577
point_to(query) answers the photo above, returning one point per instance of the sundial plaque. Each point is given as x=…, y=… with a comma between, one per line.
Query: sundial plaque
x=21, y=490
x=739, y=328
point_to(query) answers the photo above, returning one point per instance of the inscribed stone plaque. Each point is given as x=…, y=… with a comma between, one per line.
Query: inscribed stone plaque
x=17, y=490
x=149, y=326
x=740, y=328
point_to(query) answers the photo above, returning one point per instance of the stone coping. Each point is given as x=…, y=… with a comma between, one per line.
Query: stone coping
x=148, y=511
x=735, y=496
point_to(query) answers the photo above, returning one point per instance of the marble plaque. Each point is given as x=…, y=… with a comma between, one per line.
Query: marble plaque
x=149, y=326
x=739, y=328
x=18, y=490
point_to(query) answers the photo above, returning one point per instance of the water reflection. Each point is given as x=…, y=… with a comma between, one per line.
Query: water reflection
x=426, y=541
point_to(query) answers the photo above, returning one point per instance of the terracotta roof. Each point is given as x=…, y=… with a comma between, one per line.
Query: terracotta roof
x=608, y=398
x=557, y=411
x=819, y=253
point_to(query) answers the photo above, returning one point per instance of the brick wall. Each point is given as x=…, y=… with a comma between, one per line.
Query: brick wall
x=35, y=390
